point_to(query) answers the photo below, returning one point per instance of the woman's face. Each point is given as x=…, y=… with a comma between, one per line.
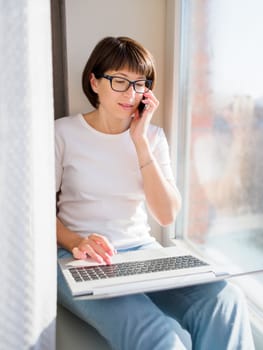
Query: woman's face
x=119, y=104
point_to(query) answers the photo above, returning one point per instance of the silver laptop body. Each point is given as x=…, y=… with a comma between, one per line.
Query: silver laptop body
x=138, y=271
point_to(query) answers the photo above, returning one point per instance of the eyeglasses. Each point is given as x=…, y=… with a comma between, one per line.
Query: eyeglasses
x=120, y=84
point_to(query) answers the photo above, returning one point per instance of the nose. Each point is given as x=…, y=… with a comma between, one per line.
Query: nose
x=130, y=92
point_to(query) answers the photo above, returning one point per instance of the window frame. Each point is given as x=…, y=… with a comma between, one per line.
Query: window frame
x=177, y=128
x=175, y=106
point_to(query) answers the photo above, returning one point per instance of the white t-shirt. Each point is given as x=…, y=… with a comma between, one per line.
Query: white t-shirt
x=100, y=182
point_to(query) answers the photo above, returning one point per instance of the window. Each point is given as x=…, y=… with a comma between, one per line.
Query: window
x=221, y=128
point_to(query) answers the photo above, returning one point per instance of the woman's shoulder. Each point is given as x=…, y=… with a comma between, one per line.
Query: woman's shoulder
x=156, y=136
x=155, y=129
x=64, y=123
x=155, y=132
x=67, y=120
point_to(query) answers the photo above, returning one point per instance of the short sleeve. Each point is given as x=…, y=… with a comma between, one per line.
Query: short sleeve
x=162, y=155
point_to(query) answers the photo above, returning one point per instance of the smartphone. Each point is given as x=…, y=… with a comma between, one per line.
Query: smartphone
x=141, y=108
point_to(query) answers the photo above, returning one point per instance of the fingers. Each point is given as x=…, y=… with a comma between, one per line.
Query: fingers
x=95, y=246
x=103, y=242
x=78, y=254
x=141, y=120
x=150, y=101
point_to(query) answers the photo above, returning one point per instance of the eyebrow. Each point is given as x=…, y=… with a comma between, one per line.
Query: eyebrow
x=126, y=76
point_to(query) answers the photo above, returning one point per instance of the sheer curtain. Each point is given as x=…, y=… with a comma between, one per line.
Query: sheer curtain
x=27, y=203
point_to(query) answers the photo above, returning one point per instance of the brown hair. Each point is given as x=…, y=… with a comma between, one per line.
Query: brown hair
x=113, y=54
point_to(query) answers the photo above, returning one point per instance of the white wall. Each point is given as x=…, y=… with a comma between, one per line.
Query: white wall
x=88, y=21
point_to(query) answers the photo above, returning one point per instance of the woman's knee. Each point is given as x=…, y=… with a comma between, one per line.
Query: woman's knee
x=135, y=322
x=151, y=331
x=232, y=296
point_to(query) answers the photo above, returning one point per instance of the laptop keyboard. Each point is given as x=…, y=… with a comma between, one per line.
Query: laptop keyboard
x=88, y=273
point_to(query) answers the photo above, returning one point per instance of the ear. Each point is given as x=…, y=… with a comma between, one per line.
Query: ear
x=93, y=82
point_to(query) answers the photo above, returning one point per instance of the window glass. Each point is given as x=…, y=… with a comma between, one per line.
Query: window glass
x=222, y=77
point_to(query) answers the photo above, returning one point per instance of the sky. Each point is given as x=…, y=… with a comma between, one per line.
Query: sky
x=236, y=36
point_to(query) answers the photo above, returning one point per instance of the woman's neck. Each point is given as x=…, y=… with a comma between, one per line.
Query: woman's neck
x=105, y=124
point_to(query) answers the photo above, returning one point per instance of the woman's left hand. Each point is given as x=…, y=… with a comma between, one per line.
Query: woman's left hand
x=141, y=120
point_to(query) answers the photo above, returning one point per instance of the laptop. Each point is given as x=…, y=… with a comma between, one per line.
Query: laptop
x=139, y=271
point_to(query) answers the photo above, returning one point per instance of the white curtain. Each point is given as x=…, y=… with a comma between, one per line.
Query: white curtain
x=27, y=202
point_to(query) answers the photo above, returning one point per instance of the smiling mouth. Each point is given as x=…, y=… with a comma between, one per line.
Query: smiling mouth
x=126, y=105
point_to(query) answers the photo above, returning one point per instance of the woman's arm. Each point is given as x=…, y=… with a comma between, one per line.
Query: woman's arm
x=96, y=246
x=162, y=197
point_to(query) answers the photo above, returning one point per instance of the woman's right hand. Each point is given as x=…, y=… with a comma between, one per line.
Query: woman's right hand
x=96, y=247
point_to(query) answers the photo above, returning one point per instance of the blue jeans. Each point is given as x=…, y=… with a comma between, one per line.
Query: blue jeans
x=214, y=314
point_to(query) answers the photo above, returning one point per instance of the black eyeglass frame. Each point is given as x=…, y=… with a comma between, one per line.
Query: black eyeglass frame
x=110, y=77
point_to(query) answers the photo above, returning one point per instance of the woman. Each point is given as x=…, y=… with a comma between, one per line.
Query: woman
x=110, y=163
